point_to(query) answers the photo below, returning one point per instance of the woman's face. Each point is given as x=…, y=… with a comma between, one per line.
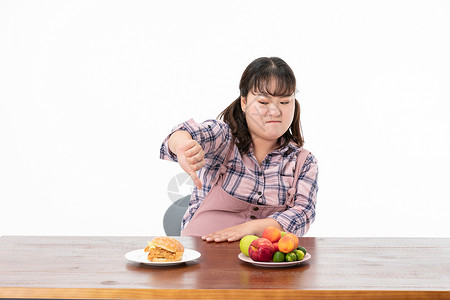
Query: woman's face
x=268, y=117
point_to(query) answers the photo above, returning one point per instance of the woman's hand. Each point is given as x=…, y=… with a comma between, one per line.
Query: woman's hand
x=191, y=158
x=235, y=233
x=230, y=234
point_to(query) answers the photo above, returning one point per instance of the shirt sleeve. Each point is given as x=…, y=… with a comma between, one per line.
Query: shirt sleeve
x=298, y=218
x=212, y=135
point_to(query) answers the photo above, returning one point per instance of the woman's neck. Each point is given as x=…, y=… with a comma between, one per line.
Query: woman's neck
x=262, y=148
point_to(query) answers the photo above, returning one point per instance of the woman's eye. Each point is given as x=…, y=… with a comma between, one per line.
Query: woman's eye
x=284, y=102
x=263, y=102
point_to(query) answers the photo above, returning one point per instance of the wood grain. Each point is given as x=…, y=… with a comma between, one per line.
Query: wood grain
x=95, y=268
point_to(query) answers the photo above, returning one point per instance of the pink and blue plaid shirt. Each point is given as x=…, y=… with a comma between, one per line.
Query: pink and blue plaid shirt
x=265, y=184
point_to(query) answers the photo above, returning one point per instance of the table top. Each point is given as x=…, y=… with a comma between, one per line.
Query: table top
x=95, y=267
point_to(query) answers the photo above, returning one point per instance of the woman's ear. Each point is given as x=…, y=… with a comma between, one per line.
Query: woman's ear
x=243, y=104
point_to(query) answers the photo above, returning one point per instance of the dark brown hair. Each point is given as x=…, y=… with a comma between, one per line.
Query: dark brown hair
x=256, y=77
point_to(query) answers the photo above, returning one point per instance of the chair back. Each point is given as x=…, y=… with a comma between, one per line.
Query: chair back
x=173, y=216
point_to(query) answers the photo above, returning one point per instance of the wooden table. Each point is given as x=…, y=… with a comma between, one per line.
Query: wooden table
x=95, y=268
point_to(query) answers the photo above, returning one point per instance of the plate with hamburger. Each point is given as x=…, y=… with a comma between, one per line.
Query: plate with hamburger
x=162, y=251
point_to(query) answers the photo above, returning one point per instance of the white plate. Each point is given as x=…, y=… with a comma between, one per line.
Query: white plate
x=272, y=264
x=140, y=256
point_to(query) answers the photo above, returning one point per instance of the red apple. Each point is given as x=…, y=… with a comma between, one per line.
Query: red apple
x=275, y=247
x=261, y=250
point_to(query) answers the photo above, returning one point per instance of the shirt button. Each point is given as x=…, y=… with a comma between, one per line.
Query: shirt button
x=260, y=193
x=255, y=208
x=252, y=217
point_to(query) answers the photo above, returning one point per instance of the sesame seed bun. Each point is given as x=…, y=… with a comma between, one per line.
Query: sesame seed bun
x=164, y=249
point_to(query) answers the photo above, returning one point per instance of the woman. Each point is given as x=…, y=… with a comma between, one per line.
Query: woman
x=252, y=169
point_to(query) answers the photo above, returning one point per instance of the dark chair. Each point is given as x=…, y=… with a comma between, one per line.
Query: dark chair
x=174, y=214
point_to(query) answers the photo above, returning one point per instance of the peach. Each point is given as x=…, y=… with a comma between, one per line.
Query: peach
x=286, y=244
x=271, y=233
x=294, y=237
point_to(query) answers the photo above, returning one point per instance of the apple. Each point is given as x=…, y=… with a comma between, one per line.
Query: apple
x=261, y=249
x=245, y=243
x=275, y=246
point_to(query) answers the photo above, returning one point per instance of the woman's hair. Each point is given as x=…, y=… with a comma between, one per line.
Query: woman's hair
x=256, y=77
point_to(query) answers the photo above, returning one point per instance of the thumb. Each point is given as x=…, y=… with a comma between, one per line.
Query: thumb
x=185, y=166
x=195, y=178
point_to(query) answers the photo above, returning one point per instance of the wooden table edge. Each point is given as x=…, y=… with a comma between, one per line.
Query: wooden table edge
x=110, y=293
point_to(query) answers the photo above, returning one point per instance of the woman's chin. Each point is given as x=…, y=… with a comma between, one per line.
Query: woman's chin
x=272, y=137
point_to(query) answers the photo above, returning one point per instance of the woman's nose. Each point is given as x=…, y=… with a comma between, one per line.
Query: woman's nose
x=274, y=110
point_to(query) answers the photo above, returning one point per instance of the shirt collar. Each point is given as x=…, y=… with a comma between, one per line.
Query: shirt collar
x=289, y=148
x=286, y=150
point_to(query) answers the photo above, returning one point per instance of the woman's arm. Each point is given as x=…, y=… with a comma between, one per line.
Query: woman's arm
x=299, y=218
x=192, y=142
x=235, y=233
x=212, y=135
x=189, y=153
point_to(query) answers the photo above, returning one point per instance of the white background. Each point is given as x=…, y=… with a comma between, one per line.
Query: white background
x=89, y=90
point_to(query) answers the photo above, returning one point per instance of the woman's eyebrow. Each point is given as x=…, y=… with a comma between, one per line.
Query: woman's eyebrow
x=262, y=94
x=270, y=96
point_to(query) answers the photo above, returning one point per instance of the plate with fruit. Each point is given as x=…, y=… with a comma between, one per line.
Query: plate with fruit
x=273, y=264
x=274, y=249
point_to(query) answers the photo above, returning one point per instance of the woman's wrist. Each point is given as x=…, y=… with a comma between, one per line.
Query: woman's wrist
x=261, y=224
x=176, y=138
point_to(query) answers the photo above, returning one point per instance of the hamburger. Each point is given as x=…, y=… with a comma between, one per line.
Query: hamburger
x=164, y=249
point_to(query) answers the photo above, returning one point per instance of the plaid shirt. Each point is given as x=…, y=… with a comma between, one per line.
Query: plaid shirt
x=265, y=184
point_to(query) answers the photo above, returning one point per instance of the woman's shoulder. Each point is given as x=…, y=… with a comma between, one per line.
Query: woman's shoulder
x=218, y=127
x=210, y=129
x=310, y=165
x=300, y=150
x=310, y=157
x=208, y=123
x=216, y=122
